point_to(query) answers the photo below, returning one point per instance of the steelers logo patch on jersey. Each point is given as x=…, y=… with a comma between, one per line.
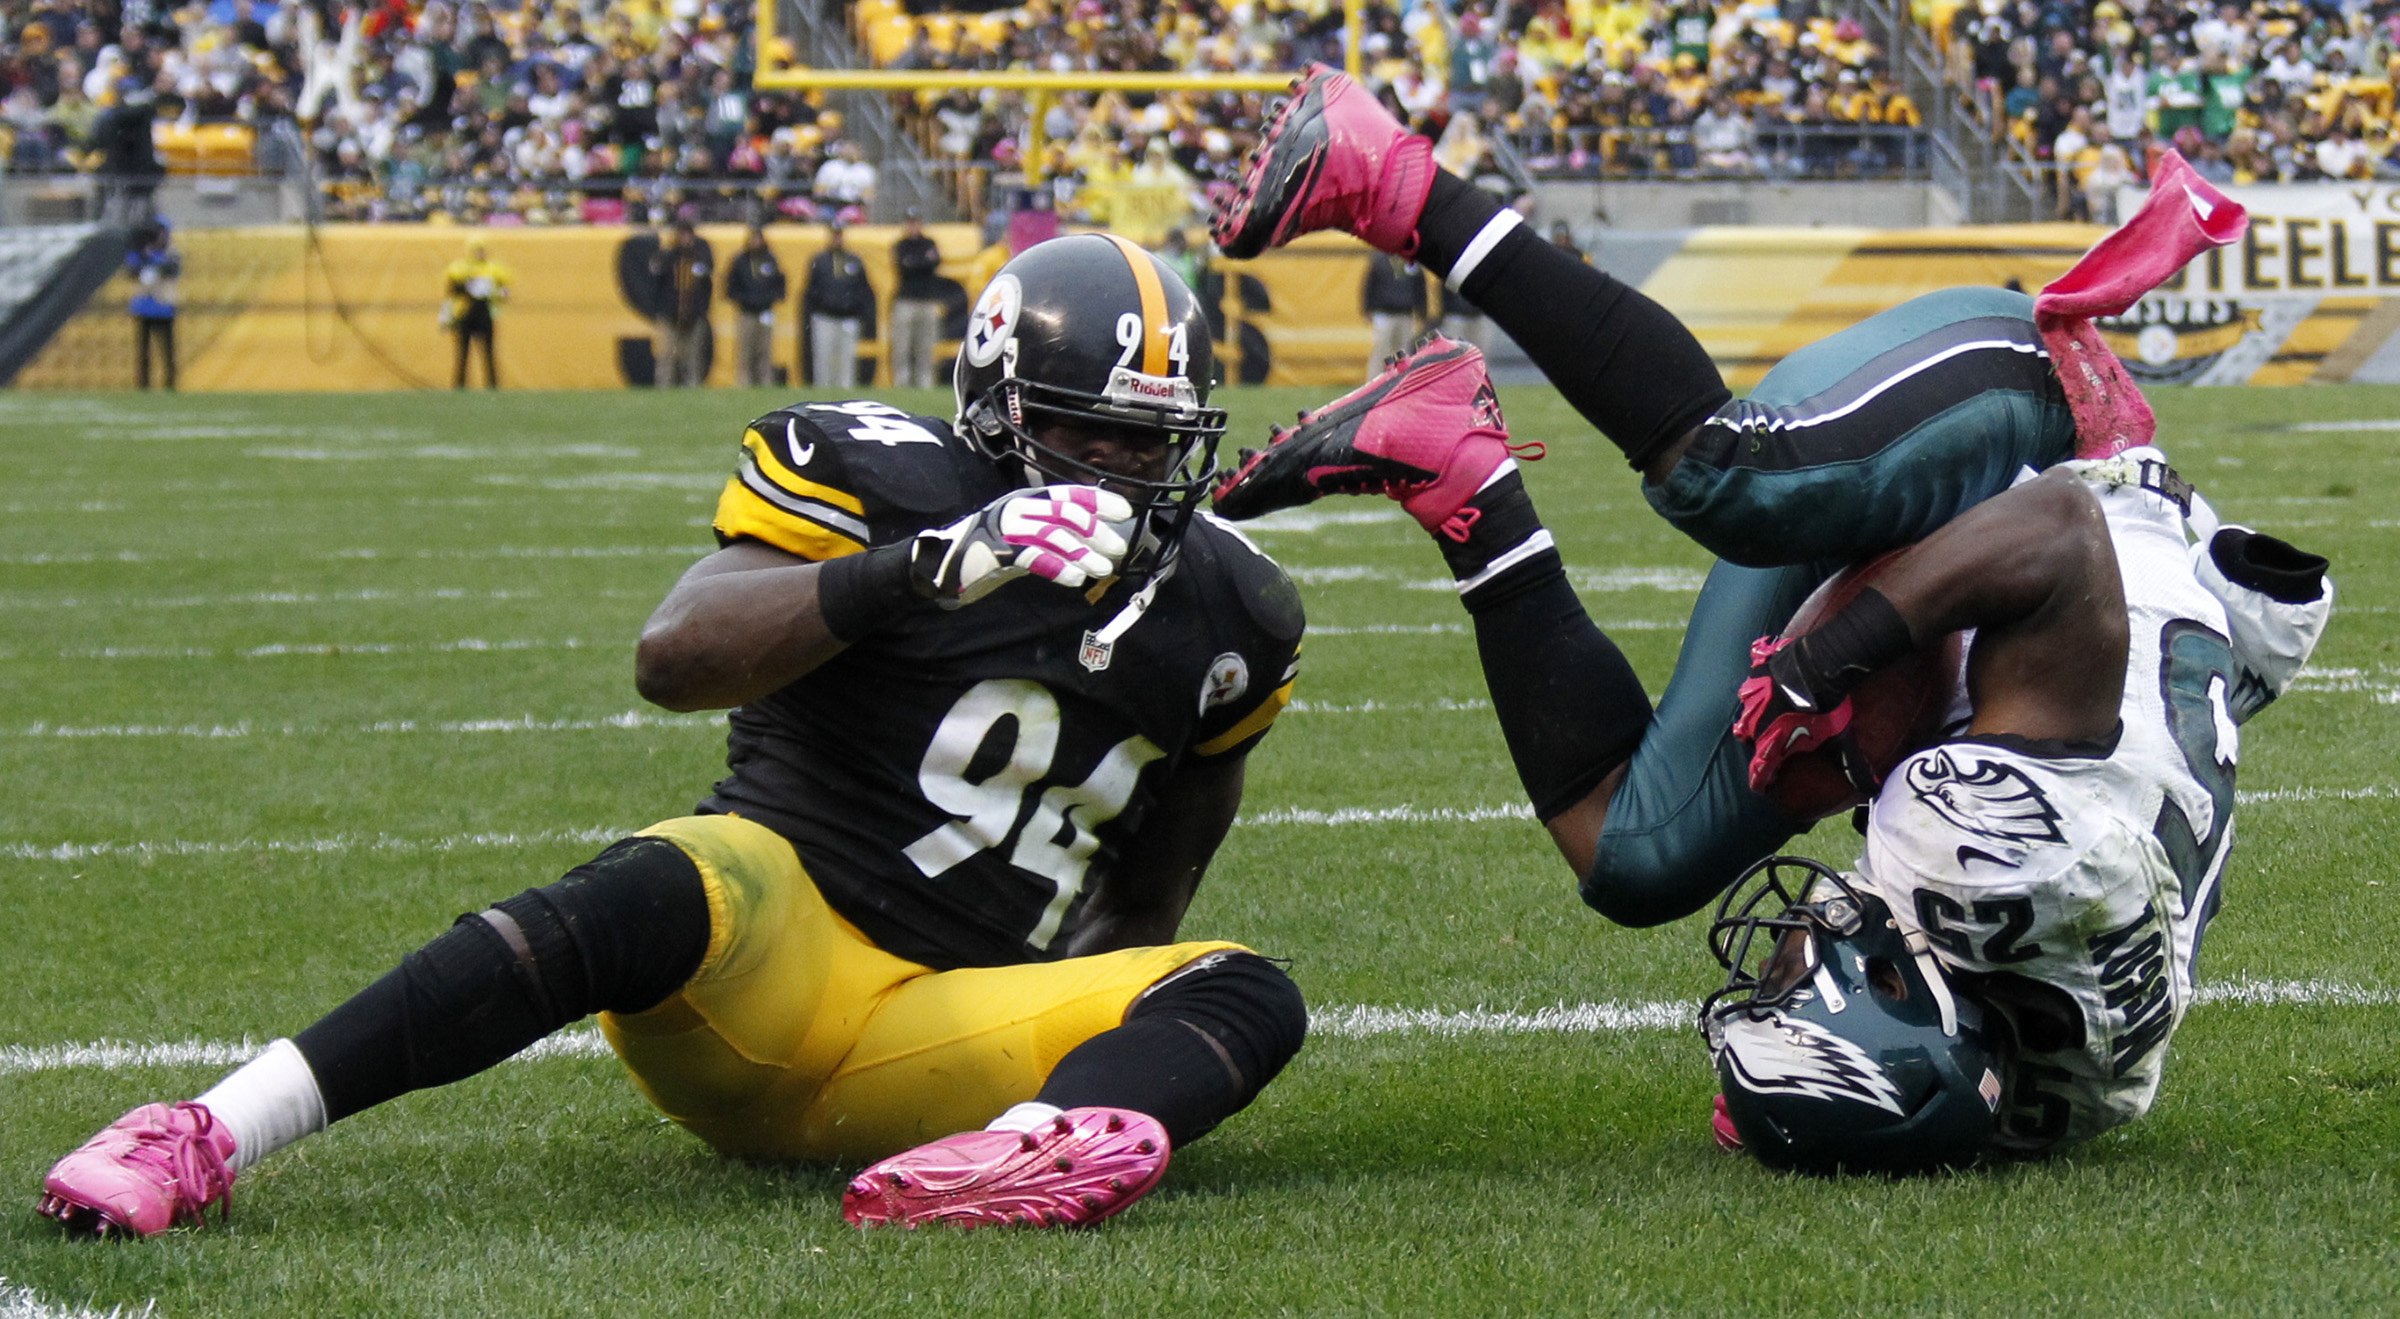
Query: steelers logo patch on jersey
x=993, y=324
x=1228, y=680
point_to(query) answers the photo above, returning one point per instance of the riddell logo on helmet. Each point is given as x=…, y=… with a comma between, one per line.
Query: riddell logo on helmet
x=1133, y=387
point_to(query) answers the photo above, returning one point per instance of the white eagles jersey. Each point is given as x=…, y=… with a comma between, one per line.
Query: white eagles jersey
x=2069, y=883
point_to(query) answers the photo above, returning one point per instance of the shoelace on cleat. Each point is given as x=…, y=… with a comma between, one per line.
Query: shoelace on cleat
x=188, y=1162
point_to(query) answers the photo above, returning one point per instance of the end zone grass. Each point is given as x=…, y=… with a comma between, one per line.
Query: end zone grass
x=293, y=681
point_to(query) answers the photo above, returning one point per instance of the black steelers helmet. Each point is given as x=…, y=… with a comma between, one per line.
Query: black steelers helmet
x=1093, y=330
x=1840, y=1046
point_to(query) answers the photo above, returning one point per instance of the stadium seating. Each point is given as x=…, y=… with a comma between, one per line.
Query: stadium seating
x=428, y=108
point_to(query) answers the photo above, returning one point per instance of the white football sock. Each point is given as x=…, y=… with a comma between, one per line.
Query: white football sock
x=1024, y=1117
x=267, y=1103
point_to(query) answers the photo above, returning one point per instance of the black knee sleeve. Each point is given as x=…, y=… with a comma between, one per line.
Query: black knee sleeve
x=1194, y=1051
x=617, y=934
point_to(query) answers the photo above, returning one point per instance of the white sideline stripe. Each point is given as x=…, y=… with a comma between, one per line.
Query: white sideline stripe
x=1675, y=580
x=455, y=452
x=1353, y=1021
x=1365, y=1022
x=1390, y=815
x=1445, y=704
x=29, y=600
x=2372, y=792
x=336, y=844
x=123, y=1055
x=1461, y=629
x=629, y=720
x=500, y=552
x=1339, y=816
x=284, y=649
x=1317, y=517
x=1393, y=629
x=2359, y=424
x=25, y=1303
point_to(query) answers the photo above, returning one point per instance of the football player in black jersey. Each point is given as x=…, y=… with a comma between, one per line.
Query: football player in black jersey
x=992, y=685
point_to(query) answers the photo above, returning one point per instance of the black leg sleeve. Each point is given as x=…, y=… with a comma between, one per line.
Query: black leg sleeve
x=1569, y=703
x=619, y=934
x=1196, y=1049
x=1627, y=364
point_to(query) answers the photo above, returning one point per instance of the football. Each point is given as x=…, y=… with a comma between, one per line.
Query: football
x=1896, y=711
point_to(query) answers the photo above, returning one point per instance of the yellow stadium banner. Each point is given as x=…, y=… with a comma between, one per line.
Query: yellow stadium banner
x=356, y=307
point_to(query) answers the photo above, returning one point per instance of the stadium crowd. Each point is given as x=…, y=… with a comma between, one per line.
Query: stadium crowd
x=503, y=112
x=483, y=112
x=2274, y=91
x=1625, y=88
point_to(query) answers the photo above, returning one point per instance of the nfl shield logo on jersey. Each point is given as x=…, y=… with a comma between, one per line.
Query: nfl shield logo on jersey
x=1095, y=653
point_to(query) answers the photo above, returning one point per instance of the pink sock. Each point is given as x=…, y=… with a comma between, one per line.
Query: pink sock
x=2184, y=216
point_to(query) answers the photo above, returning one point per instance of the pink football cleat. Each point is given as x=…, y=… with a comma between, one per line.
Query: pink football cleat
x=1427, y=432
x=1080, y=1167
x=155, y=1167
x=1331, y=157
x=1720, y=1125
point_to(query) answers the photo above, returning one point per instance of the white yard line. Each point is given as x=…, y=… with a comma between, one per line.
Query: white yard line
x=630, y=720
x=331, y=845
x=18, y=1302
x=334, y=844
x=135, y=602
x=1346, y=1021
x=287, y=649
x=689, y=552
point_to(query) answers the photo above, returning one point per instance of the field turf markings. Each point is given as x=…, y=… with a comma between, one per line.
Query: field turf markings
x=1341, y=816
x=19, y=1302
x=1352, y=1021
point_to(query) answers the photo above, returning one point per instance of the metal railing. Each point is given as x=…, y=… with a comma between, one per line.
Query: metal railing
x=1781, y=151
x=820, y=31
x=1972, y=162
x=207, y=201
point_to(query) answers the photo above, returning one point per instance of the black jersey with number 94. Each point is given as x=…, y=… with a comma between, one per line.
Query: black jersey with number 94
x=958, y=781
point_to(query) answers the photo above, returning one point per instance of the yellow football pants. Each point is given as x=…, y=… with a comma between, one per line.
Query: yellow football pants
x=799, y=1039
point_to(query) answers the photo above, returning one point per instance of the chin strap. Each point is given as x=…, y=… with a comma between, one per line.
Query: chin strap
x=1936, y=980
x=1135, y=607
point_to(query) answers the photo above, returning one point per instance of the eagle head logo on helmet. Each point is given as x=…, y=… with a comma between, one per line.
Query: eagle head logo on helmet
x=1839, y=1044
x=1091, y=331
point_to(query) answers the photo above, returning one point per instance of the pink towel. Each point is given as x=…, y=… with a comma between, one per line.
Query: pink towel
x=2183, y=217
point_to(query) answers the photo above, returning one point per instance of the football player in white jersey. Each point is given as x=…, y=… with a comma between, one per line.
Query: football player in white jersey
x=2054, y=862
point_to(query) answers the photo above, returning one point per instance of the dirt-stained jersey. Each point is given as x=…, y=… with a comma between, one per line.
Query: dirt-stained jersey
x=2071, y=882
x=958, y=781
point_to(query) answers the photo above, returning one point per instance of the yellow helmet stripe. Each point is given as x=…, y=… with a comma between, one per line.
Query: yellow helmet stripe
x=1154, y=305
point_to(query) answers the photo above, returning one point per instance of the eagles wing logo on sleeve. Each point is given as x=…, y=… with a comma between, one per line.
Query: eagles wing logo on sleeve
x=1988, y=798
x=1783, y=1055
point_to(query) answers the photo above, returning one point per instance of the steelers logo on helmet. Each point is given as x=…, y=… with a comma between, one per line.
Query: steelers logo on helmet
x=994, y=320
x=1090, y=333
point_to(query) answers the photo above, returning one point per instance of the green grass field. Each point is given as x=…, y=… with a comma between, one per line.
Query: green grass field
x=291, y=682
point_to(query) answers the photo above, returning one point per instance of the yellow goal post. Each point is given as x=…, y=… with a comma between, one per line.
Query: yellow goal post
x=779, y=72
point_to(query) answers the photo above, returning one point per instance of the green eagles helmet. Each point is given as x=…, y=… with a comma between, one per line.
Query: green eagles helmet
x=1092, y=330
x=1840, y=1046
